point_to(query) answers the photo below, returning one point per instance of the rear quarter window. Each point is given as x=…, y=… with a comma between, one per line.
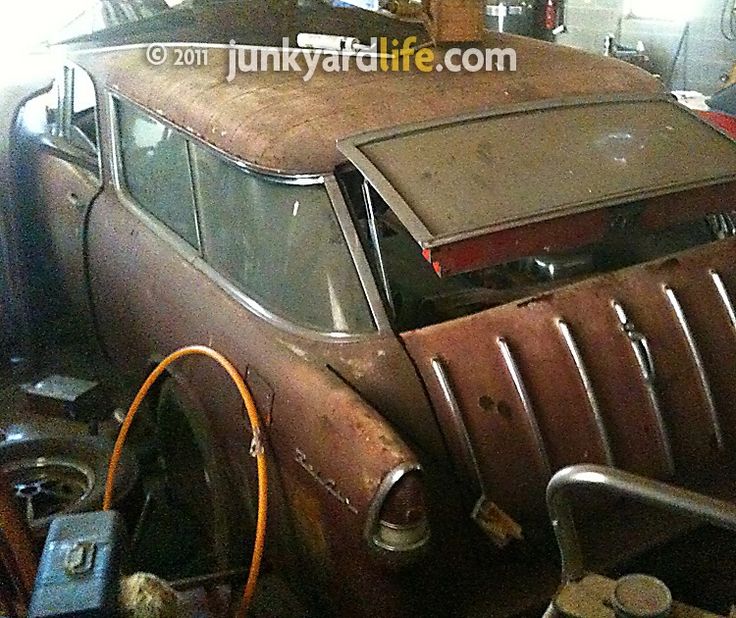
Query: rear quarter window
x=280, y=244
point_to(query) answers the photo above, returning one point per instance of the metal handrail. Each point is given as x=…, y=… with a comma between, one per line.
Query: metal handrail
x=612, y=481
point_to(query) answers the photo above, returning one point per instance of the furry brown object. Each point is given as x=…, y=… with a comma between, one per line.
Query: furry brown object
x=143, y=595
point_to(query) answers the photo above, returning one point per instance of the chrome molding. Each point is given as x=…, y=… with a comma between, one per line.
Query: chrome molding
x=645, y=360
x=577, y=358
x=376, y=241
x=526, y=403
x=570, y=480
x=272, y=175
x=360, y=260
x=695, y=353
x=374, y=508
x=725, y=298
x=194, y=257
x=457, y=419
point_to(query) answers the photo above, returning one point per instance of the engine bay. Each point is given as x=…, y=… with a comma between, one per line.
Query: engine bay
x=424, y=287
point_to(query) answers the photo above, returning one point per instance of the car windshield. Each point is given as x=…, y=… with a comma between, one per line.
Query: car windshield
x=467, y=178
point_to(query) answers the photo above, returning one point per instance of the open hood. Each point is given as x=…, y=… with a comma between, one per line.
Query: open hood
x=462, y=182
x=633, y=369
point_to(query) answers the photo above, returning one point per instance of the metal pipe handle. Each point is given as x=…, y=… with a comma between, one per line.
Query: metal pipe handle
x=612, y=481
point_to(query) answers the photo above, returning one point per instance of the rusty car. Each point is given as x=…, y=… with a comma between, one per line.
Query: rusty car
x=441, y=289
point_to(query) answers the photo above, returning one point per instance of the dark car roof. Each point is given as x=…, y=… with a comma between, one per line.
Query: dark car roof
x=278, y=122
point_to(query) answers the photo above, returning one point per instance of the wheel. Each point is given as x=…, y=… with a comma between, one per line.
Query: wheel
x=54, y=476
x=196, y=479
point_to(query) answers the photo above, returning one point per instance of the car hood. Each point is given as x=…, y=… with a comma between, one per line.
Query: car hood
x=633, y=369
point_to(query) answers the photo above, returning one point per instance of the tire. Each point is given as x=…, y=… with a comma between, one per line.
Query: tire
x=195, y=475
x=58, y=476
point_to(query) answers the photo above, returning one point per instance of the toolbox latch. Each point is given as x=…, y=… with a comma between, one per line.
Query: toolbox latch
x=80, y=558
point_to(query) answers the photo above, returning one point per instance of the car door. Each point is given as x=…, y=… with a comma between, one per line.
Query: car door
x=67, y=178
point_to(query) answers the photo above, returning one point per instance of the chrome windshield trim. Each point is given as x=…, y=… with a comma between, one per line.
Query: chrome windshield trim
x=698, y=359
x=526, y=403
x=360, y=261
x=577, y=358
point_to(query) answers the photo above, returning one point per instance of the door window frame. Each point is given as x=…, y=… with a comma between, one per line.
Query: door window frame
x=58, y=134
x=381, y=324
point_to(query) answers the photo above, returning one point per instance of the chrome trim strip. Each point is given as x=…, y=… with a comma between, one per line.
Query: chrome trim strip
x=647, y=369
x=376, y=240
x=195, y=199
x=457, y=418
x=374, y=508
x=685, y=327
x=365, y=274
x=725, y=298
x=526, y=403
x=194, y=258
x=251, y=168
x=577, y=358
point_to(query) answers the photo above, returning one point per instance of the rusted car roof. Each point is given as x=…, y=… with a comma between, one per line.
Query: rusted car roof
x=279, y=122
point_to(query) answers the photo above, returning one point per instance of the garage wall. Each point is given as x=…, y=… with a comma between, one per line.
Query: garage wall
x=705, y=55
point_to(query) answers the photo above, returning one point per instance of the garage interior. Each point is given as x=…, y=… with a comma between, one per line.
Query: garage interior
x=452, y=335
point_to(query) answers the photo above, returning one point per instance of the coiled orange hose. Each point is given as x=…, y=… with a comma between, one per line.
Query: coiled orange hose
x=257, y=450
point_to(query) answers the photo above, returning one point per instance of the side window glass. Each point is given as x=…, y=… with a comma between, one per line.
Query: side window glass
x=155, y=167
x=281, y=244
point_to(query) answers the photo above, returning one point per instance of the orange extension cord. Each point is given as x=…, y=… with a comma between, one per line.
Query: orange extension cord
x=257, y=450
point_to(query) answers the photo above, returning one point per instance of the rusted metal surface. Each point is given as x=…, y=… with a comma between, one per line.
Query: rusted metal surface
x=661, y=410
x=331, y=448
x=279, y=122
x=529, y=387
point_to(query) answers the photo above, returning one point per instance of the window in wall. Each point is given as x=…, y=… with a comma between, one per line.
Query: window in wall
x=155, y=166
x=672, y=10
x=281, y=244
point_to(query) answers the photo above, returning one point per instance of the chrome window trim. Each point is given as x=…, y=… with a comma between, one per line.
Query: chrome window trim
x=126, y=196
x=64, y=117
x=360, y=260
x=195, y=258
x=250, y=168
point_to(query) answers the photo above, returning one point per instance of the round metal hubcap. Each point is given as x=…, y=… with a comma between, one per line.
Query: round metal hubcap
x=45, y=486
